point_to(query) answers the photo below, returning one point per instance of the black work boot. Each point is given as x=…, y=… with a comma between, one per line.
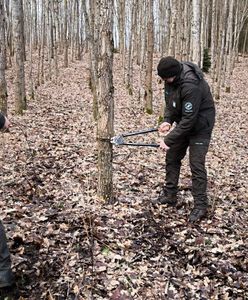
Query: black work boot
x=166, y=198
x=197, y=213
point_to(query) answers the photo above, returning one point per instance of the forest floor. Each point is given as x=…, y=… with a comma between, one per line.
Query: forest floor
x=67, y=244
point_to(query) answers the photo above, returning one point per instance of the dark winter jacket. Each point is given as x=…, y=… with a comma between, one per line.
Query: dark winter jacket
x=190, y=104
x=2, y=120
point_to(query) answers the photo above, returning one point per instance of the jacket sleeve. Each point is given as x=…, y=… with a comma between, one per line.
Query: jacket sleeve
x=191, y=100
x=168, y=114
x=2, y=120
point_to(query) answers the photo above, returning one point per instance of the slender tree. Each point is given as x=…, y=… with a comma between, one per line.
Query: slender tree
x=35, y=24
x=42, y=43
x=105, y=120
x=221, y=46
x=150, y=48
x=244, y=47
x=195, y=32
x=172, y=40
x=229, y=45
x=66, y=61
x=121, y=10
x=131, y=49
x=9, y=34
x=3, y=85
x=20, y=92
x=91, y=24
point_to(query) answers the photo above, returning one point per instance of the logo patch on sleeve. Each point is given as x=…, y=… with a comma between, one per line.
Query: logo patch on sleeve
x=188, y=107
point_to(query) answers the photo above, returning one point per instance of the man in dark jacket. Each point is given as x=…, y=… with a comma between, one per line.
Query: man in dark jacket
x=7, y=284
x=190, y=105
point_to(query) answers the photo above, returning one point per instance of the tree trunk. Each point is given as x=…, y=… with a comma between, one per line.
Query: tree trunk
x=122, y=26
x=49, y=39
x=9, y=35
x=172, y=40
x=131, y=50
x=229, y=46
x=179, y=33
x=245, y=43
x=77, y=36
x=164, y=25
x=221, y=44
x=105, y=122
x=65, y=35
x=30, y=76
x=195, y=33
x=3, y=85
x=214, y=41
x=20, y=93
x=35, y=29
x=43, y=41
x=150, y=48
x=203, y=32
x=186, y=32
x=90, y=23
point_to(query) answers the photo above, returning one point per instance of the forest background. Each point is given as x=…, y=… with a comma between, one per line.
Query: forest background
x=78, y=212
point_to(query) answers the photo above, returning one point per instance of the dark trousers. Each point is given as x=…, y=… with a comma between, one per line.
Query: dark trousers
x=198, y=148
x=6, y=275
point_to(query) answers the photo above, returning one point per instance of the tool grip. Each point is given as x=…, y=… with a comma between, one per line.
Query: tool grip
x=139, y=132
x=140, y=145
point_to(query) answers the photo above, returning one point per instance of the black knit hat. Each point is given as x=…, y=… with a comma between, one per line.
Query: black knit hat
x=168, y=67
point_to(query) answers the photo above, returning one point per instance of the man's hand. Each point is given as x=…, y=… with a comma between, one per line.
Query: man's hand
x=163, y=146
x=6, y=124
x=164, y=128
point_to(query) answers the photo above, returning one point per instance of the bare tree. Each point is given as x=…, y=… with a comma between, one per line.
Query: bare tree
x=244, y=47
x=121, y=12
x=91, y=24
x=9, y=34
x=3, y=85
x=65, y=34
x=150, y=48
x=172, y=40
x=221, y=46
x=20, y=93
x=35, y=24
x=195, y=32
x=77, y=33
x=105, y=120
x=131, y=48
x=229, y=45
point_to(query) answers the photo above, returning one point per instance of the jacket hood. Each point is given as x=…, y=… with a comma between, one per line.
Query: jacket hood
x=191, y=72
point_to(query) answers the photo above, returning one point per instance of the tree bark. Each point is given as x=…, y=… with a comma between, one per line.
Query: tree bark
x=150, y=48
x=20, y=93
x=66, y=61
x=214, y=41
x=122, y=28
x=3, y=85
x=172, y=40
x=221, y=45
x=91, y=25
x=195, y=33
x=229, y=46
x=131, y=50
x=105, y=122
